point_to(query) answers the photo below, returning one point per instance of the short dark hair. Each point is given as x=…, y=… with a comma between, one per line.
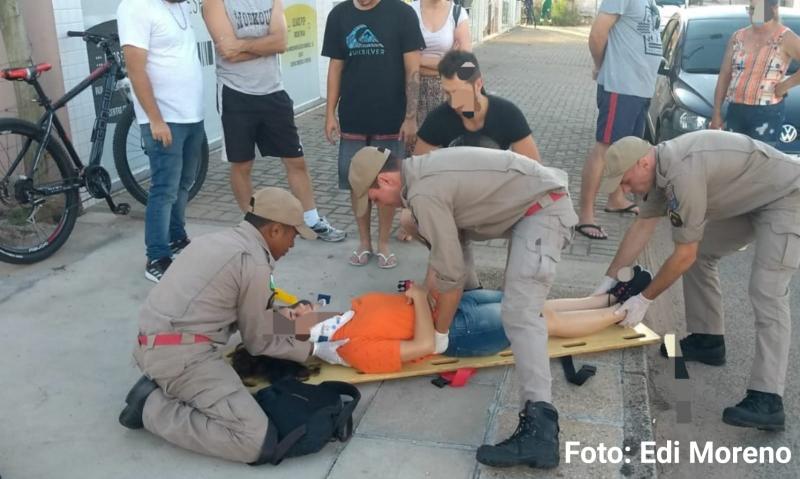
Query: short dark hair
x=257, y=221
x=453, y=63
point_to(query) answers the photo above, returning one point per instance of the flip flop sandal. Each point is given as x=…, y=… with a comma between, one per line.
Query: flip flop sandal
x=360, y=259
x=601, y=236
x=387, y=262
x=628, y=209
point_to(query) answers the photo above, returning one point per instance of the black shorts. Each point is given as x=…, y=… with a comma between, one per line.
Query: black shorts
x=263, y=120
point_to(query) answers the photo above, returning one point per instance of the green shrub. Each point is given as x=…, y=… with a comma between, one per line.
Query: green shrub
x=565, y=14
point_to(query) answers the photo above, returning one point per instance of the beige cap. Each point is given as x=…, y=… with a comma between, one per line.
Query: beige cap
x=621, y=156
x=277, y=204
x=364, y=168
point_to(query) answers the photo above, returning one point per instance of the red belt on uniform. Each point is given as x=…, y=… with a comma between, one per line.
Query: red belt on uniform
x=172, y=339
x=539, y=205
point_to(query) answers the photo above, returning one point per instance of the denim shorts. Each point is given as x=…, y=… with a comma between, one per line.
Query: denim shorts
x=759, y=122
x=477, y=328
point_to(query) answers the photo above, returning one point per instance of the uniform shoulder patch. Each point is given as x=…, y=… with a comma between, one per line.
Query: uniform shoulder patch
x=675, y=219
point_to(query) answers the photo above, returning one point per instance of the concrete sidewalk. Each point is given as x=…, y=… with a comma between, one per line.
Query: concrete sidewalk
x=67, y=367
x=73, y=319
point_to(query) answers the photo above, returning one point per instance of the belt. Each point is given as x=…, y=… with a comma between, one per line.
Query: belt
x=544, y=202
x=358, y=137
x=172, y=339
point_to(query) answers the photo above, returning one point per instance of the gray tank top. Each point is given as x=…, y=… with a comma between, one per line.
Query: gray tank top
x=262, y=75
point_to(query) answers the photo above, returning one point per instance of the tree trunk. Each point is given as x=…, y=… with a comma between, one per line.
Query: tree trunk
x=18, y=49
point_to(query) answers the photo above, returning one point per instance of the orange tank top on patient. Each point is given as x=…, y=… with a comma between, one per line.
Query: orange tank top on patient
x=755, y=74
x=380, y=323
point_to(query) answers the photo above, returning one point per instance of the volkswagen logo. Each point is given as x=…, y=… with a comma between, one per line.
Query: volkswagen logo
x=788, y=134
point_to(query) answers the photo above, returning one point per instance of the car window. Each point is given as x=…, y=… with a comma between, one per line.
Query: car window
x=706, y=40
x=705, y=43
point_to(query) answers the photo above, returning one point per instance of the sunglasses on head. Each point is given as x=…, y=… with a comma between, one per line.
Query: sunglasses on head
x=466, y=71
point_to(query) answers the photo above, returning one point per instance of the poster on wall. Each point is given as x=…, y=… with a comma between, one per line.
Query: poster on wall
x=300, y=63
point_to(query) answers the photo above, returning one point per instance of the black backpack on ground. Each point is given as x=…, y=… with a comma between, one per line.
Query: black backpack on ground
x=305, y=417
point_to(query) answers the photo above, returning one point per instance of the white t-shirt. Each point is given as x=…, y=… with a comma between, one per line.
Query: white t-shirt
x=164, y=29
x=440, y=41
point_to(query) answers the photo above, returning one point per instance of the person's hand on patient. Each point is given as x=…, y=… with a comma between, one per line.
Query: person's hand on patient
x=606, y=284
x=324, y=331
x=634, y=310
x=416, y=293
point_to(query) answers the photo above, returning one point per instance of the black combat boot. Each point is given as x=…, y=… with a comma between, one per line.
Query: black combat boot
x=760, y=410
x=131, y=416
x=705, y=348
x=535, y=442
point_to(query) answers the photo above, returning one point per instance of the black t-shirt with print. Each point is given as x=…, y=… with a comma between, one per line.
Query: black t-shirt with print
x=372, y=43
x=504, y=123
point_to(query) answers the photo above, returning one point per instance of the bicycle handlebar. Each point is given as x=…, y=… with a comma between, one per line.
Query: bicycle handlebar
x=94, y=37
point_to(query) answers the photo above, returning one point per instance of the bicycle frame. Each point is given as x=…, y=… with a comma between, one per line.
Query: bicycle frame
x=111, y=70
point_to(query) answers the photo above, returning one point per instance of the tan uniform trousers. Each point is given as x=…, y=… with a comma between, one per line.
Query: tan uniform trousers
x=533, y=253
x=775, y=230
x=201, y=404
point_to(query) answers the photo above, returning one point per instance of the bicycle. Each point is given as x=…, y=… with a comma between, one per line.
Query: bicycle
x=40, y=177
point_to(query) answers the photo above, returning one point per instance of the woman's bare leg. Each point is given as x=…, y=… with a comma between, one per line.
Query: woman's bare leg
x=578, y=304
x=572, y=324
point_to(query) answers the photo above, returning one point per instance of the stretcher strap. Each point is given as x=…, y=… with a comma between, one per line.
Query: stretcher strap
x=459, y=377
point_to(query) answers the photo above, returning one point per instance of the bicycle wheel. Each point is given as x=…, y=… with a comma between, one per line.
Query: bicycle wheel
x=33, y=225
x=132, y=164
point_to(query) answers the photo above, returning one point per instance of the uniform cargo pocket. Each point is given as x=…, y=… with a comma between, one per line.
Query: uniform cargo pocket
x=791, y=255
x=541, y=261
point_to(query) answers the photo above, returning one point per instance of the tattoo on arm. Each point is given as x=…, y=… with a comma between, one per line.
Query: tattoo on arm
x=412, y=94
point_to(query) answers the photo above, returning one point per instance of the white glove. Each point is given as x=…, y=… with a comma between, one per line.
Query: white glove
x=633, y=310
x=607, y=283
x=324, y=330
x=327, y=351
x=441, y=342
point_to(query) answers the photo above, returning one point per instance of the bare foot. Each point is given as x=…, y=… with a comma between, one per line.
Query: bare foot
x=402, y=235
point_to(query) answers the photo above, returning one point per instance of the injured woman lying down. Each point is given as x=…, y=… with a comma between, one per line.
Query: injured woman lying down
x=383, y=330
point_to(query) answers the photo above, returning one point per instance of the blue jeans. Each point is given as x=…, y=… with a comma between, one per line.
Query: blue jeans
x=172, y=173
x=759, y=122
x=477, y=328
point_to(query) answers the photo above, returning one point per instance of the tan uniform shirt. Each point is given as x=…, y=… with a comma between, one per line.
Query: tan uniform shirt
x=477, y=191
x=712, y=175
x=218, y=285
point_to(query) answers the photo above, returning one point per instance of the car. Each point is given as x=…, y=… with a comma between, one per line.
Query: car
x=694, y=42
x=667, y=8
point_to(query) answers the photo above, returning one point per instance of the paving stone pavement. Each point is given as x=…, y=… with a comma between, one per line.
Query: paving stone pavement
x=408, y=428
x=545, y=71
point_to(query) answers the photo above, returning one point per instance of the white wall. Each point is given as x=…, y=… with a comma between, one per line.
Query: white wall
x=80, y=14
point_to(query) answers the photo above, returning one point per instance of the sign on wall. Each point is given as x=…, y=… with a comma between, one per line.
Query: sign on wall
x=300, y=63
